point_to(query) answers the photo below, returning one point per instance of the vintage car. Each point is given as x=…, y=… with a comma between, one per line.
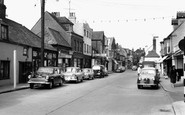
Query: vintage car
x=88, y=73
x=148, y=77
x=73, y=74
x=134, y=68
x=120, y=69
x=99, y=70
x=48, y=76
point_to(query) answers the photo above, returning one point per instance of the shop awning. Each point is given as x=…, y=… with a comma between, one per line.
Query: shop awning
x=162, y=59
x=178, y=52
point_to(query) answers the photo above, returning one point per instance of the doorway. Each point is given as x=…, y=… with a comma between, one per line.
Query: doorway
x=25, y=68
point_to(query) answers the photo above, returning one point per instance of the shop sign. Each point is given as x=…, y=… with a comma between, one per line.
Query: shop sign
x=63, y=55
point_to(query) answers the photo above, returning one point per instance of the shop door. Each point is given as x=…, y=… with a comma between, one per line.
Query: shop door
x=24, y=70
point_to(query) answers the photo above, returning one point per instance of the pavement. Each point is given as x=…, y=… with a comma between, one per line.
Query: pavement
x=178, y=106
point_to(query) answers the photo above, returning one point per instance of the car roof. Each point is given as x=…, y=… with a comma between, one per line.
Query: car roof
x=73, y=67
x=50, y=67
x=150, y=68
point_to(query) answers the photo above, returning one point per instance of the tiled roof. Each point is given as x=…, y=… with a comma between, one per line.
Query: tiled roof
x=98, y=34
x=58, y=38
x=21, y=35
x=64, y=20
x=152, y=54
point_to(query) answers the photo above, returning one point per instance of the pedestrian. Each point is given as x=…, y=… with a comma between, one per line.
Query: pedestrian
x=139, y=70
x=173, y=76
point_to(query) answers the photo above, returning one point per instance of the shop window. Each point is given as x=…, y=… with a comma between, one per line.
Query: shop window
x=4, y=70
x=4, y=32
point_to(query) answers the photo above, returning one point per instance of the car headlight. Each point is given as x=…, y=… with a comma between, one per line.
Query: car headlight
x=73, y=76
x=29, y=76
x=47, y=77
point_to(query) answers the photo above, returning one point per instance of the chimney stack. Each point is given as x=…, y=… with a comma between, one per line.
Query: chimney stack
x=154, y=42
x=72, y=17
x=2, y=9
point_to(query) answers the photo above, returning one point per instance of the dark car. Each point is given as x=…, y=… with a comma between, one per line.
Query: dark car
x=99, y=70
x=47, y=76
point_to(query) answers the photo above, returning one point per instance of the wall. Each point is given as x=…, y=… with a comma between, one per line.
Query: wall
x=6, y=51
x=177, y=36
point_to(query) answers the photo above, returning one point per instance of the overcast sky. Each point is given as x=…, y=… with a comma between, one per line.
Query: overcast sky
x=133, y=23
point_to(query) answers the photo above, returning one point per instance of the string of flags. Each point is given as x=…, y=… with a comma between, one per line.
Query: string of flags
x=128, y=20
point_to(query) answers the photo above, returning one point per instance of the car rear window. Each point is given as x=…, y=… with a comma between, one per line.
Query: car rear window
x=148, y=71
x=70, y=69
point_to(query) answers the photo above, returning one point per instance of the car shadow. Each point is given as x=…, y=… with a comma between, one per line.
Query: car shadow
x=151, y=88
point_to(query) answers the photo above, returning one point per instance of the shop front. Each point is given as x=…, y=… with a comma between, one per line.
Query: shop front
x=77, y=60
x=50, y=58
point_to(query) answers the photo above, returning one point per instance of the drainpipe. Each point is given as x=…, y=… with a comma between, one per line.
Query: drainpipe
x=14, y=68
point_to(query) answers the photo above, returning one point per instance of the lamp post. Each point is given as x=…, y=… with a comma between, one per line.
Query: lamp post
x=42, y=32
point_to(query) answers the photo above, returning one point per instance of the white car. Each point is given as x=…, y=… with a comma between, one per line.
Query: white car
x=148, y=77
x=73, y=74
x=88, y=73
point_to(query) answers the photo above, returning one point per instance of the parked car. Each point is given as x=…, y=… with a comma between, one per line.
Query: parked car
x=148, y=77
x=120, y=69
x=134, y=68
x=99, y=70
x=48, y=76
x=74, y=74
x=88, y=73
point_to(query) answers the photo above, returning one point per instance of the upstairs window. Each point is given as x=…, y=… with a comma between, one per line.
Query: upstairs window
x=4, y=32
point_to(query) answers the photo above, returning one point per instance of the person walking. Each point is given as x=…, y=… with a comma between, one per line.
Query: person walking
x=173, y=76
x=139, y=70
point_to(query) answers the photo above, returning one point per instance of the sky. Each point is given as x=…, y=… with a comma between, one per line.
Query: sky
x=133, y=23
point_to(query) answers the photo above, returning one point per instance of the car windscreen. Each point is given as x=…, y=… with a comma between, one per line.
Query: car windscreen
x=70, y=69
x=45, y=70
x=96, y=67
x=148, y=72
x=86, y=70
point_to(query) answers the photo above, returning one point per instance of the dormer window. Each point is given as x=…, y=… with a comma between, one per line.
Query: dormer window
x=4, y=32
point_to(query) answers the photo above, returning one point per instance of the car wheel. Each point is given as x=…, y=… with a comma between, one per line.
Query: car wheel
x=82, y=79
x=50, y=85
x=77, y=80
x=31, y=85
x=139, y=86
x=157, y=86
x=61, y=82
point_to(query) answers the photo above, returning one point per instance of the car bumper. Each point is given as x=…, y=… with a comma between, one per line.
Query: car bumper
x=86, y=76
x=147, y=83
x=38, y=82
x=70, y=79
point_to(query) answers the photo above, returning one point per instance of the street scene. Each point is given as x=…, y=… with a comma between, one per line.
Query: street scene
x=116, y=94
x=95, y=57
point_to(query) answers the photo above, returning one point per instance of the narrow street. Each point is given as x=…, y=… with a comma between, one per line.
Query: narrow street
x=116, y=94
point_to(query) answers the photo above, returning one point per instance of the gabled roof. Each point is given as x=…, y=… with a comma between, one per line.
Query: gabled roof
x=174, y=30
x=98, y=35
x=152, y=54
x=58, y=38
x=21, y=35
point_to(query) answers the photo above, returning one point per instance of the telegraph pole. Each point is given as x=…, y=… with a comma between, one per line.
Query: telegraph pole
x=184, y=68
x=42, y=31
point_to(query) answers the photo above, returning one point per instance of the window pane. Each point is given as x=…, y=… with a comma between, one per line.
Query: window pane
x=4, y=70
